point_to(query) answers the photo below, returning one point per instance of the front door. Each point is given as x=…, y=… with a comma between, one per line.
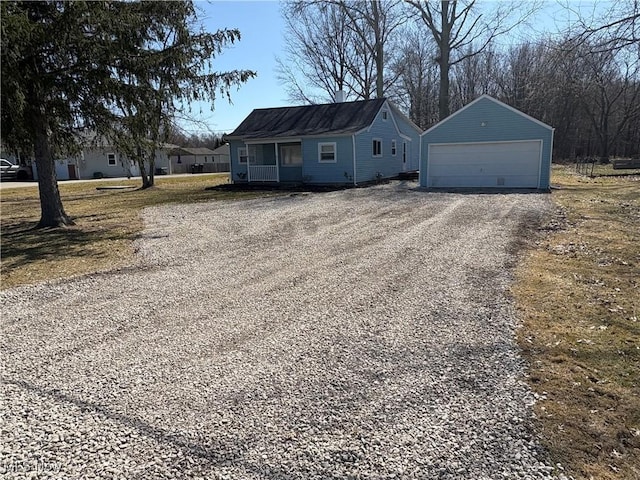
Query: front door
x=72, y=172
x=290, y=156
x=404, y=156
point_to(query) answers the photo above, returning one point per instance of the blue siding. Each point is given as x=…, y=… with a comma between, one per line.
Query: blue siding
x=370, y=168
x=500, y=124
x=342, y=171
x=413, y=154
x=290, y=173
x=235, y=167
x=314, y=171
x=413, y=147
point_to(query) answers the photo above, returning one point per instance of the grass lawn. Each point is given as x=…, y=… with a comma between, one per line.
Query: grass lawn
x=107, y=222
x=578, y=291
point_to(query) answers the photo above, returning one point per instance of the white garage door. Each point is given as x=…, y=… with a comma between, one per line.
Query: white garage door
x=500, y=164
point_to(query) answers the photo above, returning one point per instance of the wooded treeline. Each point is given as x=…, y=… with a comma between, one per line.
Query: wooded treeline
x=433, y=58
x=195, y=140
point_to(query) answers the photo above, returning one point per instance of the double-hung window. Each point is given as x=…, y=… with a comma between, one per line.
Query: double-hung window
x=111, y=159
x=377, y=147
x=243, y=155
x=327, y=152
x=393, y=148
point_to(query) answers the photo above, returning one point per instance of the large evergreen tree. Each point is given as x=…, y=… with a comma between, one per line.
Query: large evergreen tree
x=117, y=68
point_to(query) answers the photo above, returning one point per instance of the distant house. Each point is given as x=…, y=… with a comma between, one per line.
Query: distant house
x=487, y=144
x=66, y=168
x=101, y=160
x=221, y=157
x=211, y=161
x=337, y=143
x=109, y=162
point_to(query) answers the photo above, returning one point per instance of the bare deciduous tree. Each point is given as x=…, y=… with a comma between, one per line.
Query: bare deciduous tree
x=461, y=30
x=339, y=45
x=374, y=22
x=416, y=88
x=320, y=50
x=616, y=28
x=611, y=95
x=475, y=75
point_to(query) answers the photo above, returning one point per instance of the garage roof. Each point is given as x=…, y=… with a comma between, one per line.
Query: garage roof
x=498, y=102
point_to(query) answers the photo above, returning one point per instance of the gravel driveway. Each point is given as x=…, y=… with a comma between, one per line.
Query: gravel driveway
x=356, y=334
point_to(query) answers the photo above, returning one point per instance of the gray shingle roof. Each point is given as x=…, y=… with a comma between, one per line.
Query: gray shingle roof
x=192, y=151
x=222, y=150
x=325, y=119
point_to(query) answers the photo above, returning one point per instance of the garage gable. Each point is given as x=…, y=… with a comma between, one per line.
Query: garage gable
x=487, y=144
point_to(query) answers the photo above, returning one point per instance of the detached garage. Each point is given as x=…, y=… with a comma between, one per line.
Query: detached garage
x=487, y=144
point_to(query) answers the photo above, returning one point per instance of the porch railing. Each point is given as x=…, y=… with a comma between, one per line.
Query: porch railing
x=263, y=173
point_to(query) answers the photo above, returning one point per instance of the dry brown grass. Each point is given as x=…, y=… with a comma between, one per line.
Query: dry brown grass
x=578, y=291
x=107, y=222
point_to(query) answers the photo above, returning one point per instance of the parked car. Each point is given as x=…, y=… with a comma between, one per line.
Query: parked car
x=8, y=170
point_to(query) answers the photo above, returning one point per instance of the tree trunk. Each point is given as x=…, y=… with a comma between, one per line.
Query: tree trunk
x=147, y=180
x=604, y=137
x=604, y=150
x=375, y=6
x=443, y=61
x=52, y=211
x=152, y=169
x=146, y=183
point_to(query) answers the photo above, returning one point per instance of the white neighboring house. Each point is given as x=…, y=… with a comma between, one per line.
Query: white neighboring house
x=200, y=160
x=222, y=157
x=104, y=161
x=66, y=169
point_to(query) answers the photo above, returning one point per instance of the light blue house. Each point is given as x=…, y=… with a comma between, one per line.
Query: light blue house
x=487, y=144
x=337, y=143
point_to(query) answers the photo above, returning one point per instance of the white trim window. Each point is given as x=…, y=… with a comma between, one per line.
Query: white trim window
x=393, y=147
x=327, y=152
x=112, y=161
x=376, y=147
x=291, y=155
x=243, y=155
x=385, y=115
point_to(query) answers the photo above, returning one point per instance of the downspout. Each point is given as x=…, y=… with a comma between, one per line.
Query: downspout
x=420, y=161
x=553, y=132
x=353, y=140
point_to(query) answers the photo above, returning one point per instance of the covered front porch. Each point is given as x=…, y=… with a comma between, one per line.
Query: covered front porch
x=274, y=162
